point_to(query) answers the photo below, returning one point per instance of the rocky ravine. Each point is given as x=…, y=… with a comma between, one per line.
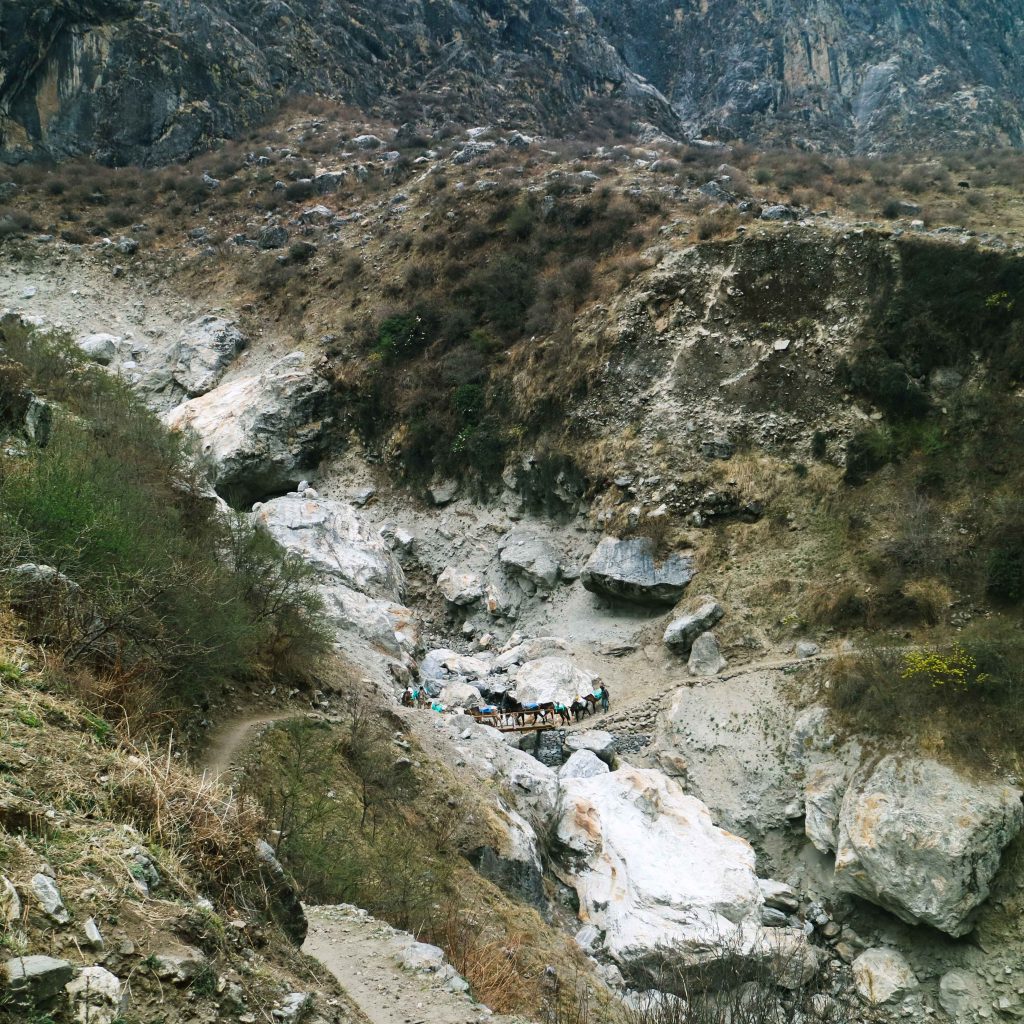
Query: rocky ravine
x=482, y=575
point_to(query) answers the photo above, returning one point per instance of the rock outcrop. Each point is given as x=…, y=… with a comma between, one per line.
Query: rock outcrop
x=847, y=75
x=200, y=70
x=627, y=570
x=923, y=841
x=358, y=577
x=859, y=75
x=261, y=434
x=619, y=832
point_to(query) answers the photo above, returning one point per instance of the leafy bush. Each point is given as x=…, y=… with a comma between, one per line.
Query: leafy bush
x=154, y=582
x=963, y=698
x=1005, y=571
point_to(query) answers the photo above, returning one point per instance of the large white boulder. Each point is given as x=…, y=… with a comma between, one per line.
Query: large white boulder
x=923, y=840
x=583, y=764
x=627, y=569
x=358, y=576
x=553, y=679
x=206, y=348
x=261, y=433
x=600, y=743
x=443, y=664
x=651, y=869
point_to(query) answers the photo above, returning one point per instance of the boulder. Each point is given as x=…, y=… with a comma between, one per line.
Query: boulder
x=263, y=433
x=924, y=841
x=273, y=236
x=48, y=895
x=529, y=650
x=705, y=657
x=205, y=350
x=681, y=633
x=99, y=348
x=10, y=903
x=961, y=995
x=294, y=1007
x=181, y=967
x=778, y=212
x=651, y=869
x=583, y=764
x=597, y=741
x=779, y=896
x=883, y=976
x=627, y=570
x=457, y=694
x=421, y=956
x=444, y=664
x=552, y=679
x=95, y=996
x=460, y=588
x=824, y=789
x=285, y=904
x=357, y=574
x=533, y=558
x=37, y=982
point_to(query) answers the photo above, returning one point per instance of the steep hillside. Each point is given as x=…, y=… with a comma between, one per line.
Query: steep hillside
x=155, y=82
x=151, y=83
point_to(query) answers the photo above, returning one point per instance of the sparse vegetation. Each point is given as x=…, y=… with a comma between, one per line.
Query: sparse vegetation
x=145, y=586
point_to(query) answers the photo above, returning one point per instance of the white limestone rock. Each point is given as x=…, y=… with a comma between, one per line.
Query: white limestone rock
x=924, y=841
x=583, y=764
x=650, y=867
x=883, y=976
x=553, y=679
x=261, y=433
x=95, y=996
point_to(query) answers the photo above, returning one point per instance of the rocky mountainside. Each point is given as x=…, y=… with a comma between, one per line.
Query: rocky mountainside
x=153, y=82
x=859, y=76
x=150, y=83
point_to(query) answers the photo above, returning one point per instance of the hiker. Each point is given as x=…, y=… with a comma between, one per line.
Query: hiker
x=604, y=697
x=408, y=699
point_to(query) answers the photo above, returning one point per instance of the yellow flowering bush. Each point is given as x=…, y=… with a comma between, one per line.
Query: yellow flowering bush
x=954, y=668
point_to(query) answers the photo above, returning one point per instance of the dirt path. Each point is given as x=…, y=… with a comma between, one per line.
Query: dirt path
x=220, y=754
x=364, y=955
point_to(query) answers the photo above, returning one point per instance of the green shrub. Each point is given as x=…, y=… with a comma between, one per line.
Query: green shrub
x=162, y=585
x=1005, y=571
x=963, y=698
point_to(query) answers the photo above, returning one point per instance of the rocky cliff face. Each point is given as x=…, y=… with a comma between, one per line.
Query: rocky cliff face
x=862, y=76
x=154, y=82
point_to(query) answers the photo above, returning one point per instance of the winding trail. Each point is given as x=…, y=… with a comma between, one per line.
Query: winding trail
x=362, y=953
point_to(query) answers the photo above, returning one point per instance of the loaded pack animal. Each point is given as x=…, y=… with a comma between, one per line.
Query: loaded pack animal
x=486, y=714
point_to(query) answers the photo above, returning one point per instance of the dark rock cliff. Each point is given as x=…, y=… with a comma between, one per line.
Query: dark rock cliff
x=856, y=75
x=156, y=80
x=151, y=82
